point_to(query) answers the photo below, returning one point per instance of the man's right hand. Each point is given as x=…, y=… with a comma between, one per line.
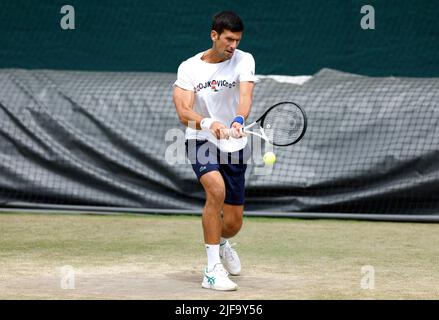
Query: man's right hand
x=219, y=130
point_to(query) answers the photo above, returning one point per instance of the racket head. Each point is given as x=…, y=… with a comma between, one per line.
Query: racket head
x=284, y=123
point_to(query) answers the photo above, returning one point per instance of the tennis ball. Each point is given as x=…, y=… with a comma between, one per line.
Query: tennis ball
x=269, y=158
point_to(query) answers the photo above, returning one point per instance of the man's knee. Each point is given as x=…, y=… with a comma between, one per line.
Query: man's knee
x=233, y=226
x=232, y=219
x=216, y=193
x=214, y=187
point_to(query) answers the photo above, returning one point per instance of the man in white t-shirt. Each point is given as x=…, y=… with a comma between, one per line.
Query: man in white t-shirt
x=213, y=92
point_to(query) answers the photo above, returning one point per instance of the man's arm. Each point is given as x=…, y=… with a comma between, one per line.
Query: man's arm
x=245, y=98
x=184, y=103
x=245, y=102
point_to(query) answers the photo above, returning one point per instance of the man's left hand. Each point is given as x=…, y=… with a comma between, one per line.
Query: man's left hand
x=237, y=131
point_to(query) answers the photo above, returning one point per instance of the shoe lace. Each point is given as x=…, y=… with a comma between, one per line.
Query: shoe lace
x=222, y=270
x=231, y=252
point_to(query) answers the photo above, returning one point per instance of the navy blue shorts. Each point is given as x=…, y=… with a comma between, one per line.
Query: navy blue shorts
x=205, y=157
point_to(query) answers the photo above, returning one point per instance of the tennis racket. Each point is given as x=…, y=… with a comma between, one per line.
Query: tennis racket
x=283, y=124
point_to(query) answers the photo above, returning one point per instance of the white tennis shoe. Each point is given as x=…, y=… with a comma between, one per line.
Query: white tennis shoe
x=218, y=279
x=230, y=259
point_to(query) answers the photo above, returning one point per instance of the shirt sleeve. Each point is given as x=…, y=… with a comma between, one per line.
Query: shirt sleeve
x=184, y=80
x=247, y=69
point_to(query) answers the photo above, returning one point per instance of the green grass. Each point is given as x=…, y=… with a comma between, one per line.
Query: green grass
x=298, y=259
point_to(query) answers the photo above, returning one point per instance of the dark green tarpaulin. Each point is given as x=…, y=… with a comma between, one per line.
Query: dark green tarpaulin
x=286, y=37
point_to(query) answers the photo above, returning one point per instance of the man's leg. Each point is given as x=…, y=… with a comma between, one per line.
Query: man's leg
x=233, y=174
x=214, y=187
x=232, y=220
x=232, y=223
x=215, y=276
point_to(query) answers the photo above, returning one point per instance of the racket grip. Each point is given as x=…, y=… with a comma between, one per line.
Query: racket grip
x=232, y=133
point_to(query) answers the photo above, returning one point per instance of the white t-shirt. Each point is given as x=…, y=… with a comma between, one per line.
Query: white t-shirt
x=216, y=87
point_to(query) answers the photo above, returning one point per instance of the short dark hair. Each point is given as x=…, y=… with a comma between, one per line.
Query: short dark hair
x=227, y=20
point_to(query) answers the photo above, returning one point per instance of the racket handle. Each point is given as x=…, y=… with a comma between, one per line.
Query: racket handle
x=232, y=132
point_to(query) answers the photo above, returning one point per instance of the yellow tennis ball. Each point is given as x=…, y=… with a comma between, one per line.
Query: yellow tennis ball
x=269, y=158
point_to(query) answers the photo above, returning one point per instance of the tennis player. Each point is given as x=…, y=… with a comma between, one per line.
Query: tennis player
x=213, y=92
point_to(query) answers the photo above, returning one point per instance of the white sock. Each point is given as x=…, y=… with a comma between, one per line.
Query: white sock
x=213, y=256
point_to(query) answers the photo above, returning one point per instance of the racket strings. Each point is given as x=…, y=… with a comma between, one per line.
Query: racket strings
x=284, y=124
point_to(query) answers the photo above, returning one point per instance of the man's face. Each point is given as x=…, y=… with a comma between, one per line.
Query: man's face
x=225, y=43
